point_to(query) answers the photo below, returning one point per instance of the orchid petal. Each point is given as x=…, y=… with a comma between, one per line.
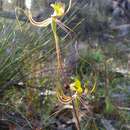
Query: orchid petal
x=43, y=23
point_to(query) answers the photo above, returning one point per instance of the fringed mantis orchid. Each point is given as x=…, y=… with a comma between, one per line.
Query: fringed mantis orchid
x=78, y=89
x=59, y=11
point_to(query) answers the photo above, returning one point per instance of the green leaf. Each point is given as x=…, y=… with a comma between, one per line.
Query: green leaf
x=109, y=106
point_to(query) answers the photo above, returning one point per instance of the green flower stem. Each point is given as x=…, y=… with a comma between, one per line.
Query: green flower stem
x=58, y=52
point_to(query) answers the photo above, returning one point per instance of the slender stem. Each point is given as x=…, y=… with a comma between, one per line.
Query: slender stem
x=76, y=116
x=58, y=52
x=106, y=82
x=60, y=67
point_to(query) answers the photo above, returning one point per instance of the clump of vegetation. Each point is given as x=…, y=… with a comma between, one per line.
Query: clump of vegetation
x=42, y=89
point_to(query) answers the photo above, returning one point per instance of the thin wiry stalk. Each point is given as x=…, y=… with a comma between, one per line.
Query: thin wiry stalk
x=76, y=116
x=58, y=53
x=60, y=69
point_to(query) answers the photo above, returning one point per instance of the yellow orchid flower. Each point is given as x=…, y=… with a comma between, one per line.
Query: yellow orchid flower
x=76, y=86
x=59, y=9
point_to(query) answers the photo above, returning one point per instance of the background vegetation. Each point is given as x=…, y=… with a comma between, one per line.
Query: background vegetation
x=100, y=51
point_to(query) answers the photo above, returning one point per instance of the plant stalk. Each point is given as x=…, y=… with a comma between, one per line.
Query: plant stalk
x=58, y=52
x=60, y=68
x=76, y=116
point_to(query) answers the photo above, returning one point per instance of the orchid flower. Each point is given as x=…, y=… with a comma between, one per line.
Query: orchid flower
x=59, y=11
